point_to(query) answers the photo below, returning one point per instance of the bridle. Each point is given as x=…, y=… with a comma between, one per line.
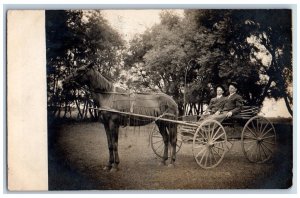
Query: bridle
x=81, y=74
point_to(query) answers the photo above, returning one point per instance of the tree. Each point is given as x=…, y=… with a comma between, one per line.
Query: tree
x=159, y=53
x=276, y=37
x=240, y=38
x=75, y=38
x=222, y=46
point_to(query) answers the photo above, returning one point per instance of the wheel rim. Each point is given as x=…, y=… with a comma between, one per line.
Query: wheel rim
x=258, y=139
x=209, y=144
x=157, y=143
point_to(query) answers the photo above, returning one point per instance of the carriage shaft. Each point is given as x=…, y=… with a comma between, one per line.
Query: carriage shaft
x=149, y=117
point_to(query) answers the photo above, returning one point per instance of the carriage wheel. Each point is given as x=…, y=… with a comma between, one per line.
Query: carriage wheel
x=209, y=144
x=157, y=143
x=258, y=139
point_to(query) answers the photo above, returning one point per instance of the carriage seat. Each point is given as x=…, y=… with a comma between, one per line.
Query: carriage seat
x=247, y=112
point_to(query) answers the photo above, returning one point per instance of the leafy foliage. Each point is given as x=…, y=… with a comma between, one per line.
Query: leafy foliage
x=75, y=38
x=217, y=46
x=180, y=56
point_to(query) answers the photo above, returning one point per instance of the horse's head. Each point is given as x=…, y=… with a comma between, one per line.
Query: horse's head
x=78, y=77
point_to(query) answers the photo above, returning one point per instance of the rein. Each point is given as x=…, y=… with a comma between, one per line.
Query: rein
x=124, y=93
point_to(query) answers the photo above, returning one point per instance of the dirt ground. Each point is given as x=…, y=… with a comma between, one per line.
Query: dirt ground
x=78, y=152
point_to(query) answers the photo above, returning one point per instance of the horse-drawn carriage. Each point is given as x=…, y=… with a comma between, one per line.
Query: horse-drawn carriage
x=210, y=142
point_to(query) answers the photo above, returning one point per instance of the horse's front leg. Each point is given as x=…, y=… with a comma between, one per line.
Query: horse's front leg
x=110, y=147
x=114, y=128
x=164, y=134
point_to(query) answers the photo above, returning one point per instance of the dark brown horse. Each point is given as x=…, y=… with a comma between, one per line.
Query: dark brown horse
x=107, y=96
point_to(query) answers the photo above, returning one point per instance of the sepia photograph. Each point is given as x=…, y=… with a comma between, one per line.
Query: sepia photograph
x=169, y=99
x=150, y=99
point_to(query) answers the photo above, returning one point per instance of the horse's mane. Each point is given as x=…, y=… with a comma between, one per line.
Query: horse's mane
x=99, y=82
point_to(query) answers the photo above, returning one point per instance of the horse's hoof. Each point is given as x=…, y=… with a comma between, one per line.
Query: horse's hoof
x=107, y=168
x=161, y=163
x=171, y=166
x=113, y=170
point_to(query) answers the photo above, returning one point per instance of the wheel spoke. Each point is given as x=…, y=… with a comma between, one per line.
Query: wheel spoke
x=262, y=148
x=265, y=128
x=268, y=137
x=159, y=147
x=254, y=134
x=214, y=126
x=206, y=158
x=258, y=139
x=220, y=148
x=261, y=126
x=217, y=152
x=256, y=152
x=203, y=155
x=218, y=137
x=210, y=157
x=269, y=142
x=228, y=147
x=249, y=148
x=200, y=133
x=252, y=123
x=157, y=141
x=266, y=132
x=207, y=132
x=270, y=150
x=259, y=150
x=216, y=133
x=219, y=142
x=200, y=140
x=201, y=151
x=250, y=137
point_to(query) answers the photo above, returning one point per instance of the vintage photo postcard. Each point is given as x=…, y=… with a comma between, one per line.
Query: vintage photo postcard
x=150, y=99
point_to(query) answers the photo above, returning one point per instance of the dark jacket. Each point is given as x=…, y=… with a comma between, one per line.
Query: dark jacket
x=233, y=103
x=216, y=104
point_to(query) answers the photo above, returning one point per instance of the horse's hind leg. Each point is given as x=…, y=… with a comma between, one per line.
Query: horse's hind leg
x=173, y=141
x=115, y=137
x=164, y=134
x=110, y=147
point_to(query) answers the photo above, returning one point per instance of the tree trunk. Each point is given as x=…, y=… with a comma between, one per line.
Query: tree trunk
x=287, y=103
x=264, y=94
x=201, y=108
x=96, y=113
x=86, y=109
x=59, y=110
x=66, y=110
x=181, y=109
x=198, y=108
x=91, y=111
x=78, y=108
